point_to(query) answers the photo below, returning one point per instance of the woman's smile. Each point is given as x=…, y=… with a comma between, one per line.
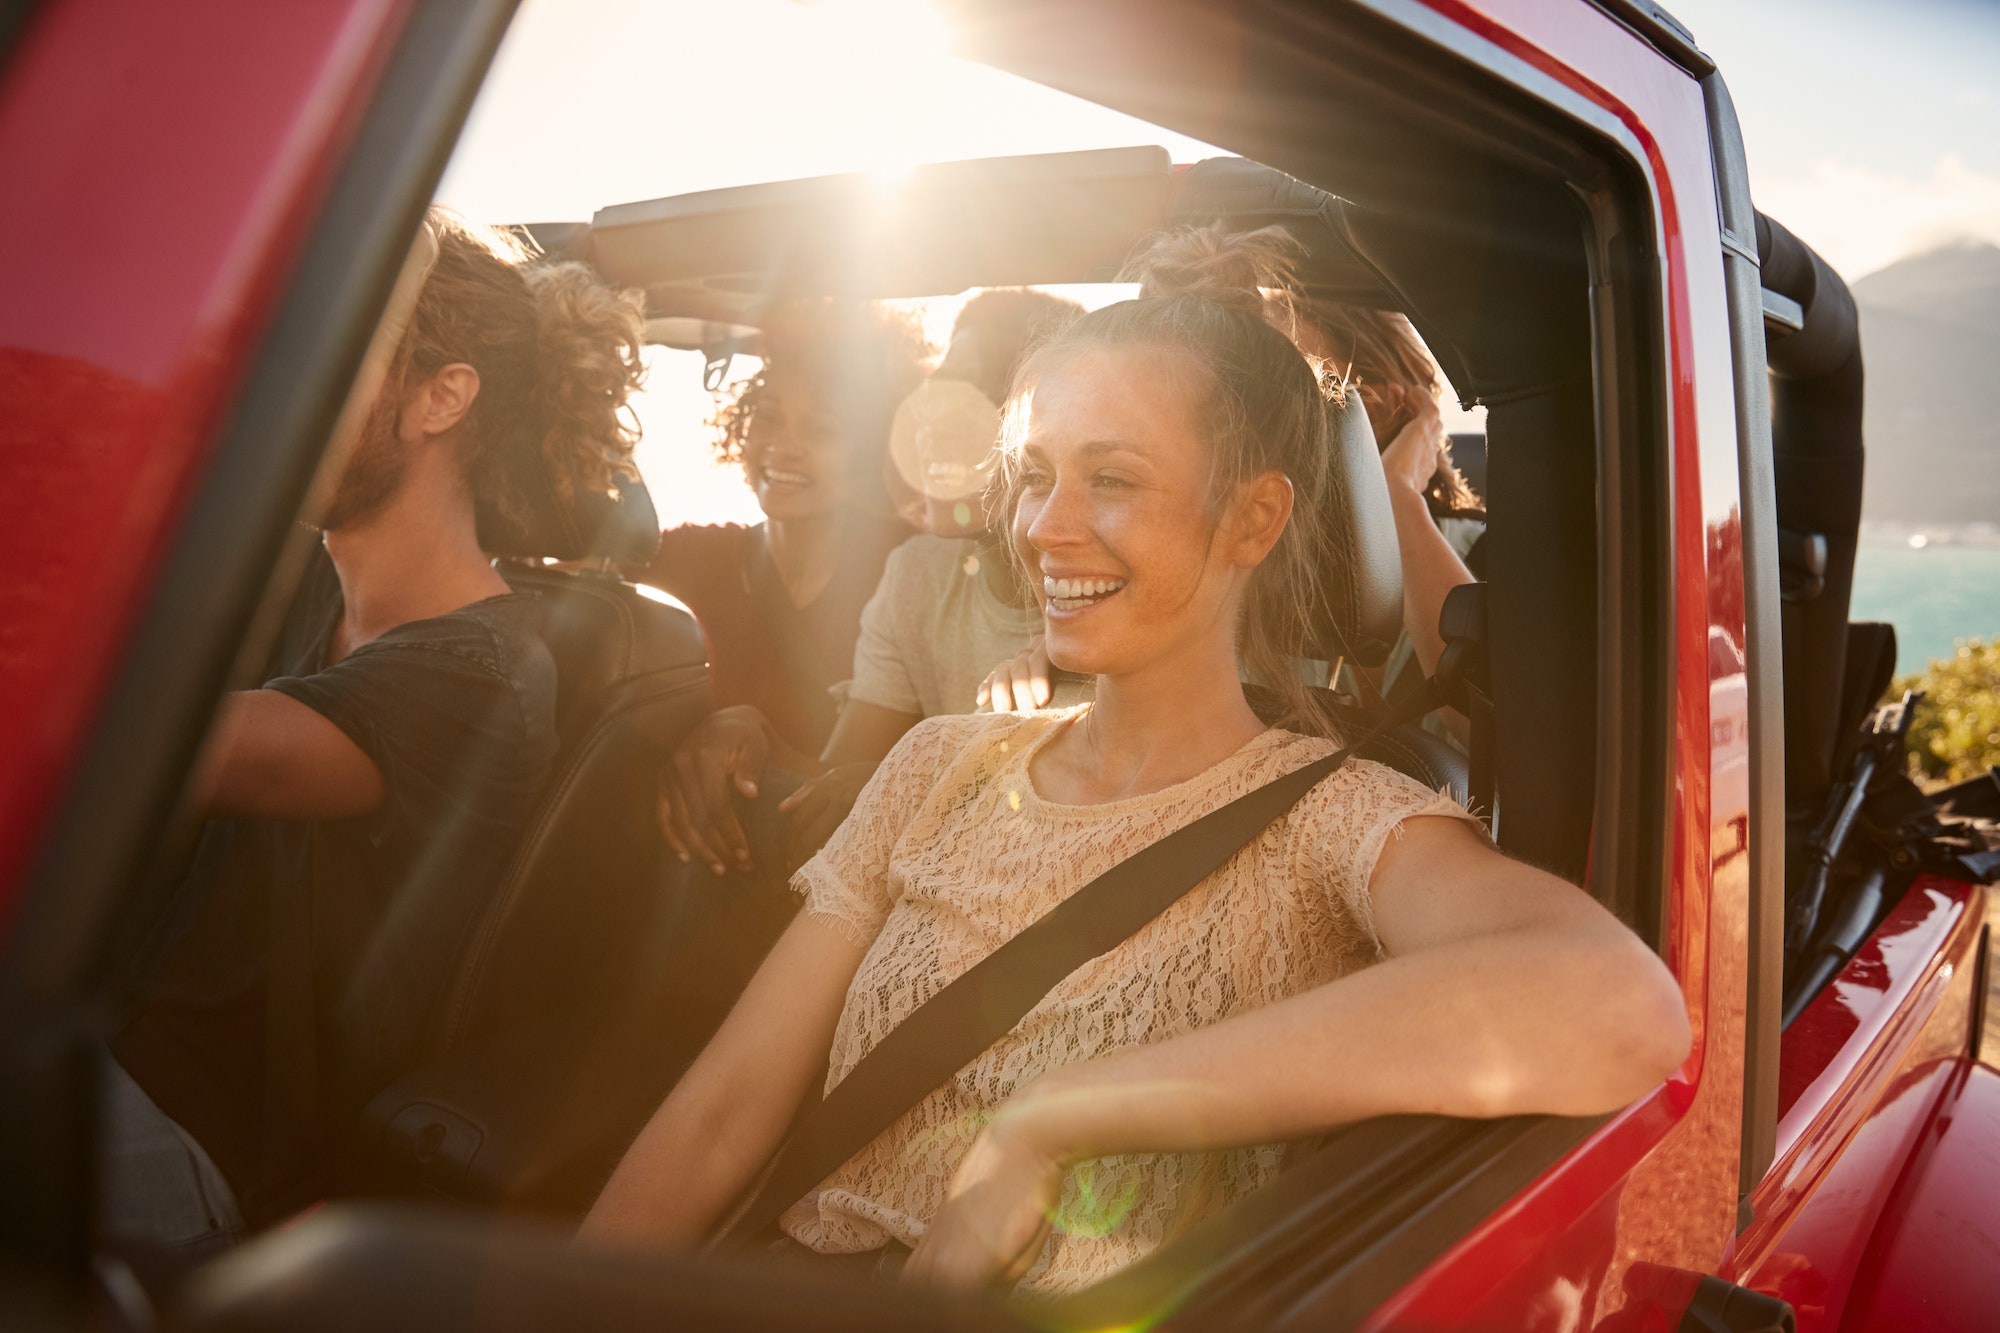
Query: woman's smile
x=1066, y=596
x=773, y=477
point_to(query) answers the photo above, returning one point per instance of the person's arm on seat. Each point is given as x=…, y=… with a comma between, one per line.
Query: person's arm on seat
x=1506, y=991
x=1431, y=568
x=723, y=757
x=269, y=756
x=729, y=1113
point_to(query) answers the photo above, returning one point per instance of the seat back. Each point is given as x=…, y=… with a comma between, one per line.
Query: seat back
x=1817, y=455
x=561, y=930
x=541, y=1058
x=1364, y=608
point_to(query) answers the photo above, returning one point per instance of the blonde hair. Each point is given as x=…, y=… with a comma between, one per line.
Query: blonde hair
x=558, y=353
x=1211, y=297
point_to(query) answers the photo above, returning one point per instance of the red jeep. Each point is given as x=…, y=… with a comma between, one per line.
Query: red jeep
x=208, y=207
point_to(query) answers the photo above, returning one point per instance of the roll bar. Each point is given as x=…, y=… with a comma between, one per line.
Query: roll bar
x=1813, y=349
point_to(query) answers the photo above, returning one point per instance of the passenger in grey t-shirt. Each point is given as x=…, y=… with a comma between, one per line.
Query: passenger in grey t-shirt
x=939, y=622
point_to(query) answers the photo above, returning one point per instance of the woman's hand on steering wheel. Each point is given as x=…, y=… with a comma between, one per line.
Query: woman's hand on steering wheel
x=1020, y=684
x=722, y=758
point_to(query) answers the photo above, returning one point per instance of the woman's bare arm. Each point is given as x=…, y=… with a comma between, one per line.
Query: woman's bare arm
x=729, y=1112
x=1506, y=991
x=1431, y=568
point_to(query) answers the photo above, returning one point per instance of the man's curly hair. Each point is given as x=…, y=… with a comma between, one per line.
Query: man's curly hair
x=557, y=350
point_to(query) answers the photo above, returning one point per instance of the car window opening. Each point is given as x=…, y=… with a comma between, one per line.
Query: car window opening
x=501, y=849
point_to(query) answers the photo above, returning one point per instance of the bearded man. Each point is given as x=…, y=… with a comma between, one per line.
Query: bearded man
x=383, y=770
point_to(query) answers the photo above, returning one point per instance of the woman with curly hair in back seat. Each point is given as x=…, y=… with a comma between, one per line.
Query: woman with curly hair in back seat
x=1369, y=952
x=780, y=602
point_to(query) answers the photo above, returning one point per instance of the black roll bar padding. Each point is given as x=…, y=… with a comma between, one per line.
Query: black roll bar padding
x=1816, y=396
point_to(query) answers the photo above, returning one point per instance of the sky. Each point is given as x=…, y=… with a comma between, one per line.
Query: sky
x=1872, y=129
x=597, y=102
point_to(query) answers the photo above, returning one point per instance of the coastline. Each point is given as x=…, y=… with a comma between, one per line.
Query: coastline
x=1936, y=585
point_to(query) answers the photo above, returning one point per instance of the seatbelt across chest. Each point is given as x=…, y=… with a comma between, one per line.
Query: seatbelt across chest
x=949, y=1030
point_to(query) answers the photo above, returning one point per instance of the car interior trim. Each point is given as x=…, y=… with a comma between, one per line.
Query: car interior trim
x=1660, y=30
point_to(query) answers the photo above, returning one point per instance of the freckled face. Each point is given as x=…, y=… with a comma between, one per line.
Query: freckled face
x=1113, y=518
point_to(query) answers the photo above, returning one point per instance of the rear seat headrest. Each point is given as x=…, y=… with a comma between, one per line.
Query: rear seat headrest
x=623, y=528
x=1364, y=611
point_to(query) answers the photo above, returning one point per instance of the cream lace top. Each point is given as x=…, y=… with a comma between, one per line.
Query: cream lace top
x=950, y=852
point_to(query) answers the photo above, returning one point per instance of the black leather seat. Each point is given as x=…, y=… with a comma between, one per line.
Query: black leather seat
x=633, y=680
x=558, y=957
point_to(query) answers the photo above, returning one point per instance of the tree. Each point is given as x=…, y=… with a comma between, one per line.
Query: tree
x=1956, y=734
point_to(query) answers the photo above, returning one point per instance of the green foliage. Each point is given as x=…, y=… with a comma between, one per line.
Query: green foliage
x=1956, y=734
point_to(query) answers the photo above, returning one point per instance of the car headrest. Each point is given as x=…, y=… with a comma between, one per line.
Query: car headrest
x=1364, y=610
x=603, y=632
x=622, y=528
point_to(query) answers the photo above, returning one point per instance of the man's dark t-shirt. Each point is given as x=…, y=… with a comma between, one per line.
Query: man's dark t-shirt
x=457, y=712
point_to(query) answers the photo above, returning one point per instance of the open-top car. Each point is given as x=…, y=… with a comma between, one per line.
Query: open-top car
x=1667, y=704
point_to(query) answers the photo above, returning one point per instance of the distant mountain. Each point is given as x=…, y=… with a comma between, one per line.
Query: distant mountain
x=1930, y=341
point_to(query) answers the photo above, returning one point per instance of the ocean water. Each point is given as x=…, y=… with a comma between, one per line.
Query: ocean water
x=1932, y=596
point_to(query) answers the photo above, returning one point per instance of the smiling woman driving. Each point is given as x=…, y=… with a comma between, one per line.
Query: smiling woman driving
x=1169, y=490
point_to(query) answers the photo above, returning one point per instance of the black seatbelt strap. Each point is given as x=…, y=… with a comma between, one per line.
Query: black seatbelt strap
x=949, y=1030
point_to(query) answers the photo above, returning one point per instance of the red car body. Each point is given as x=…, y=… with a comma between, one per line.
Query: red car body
x=162, y=165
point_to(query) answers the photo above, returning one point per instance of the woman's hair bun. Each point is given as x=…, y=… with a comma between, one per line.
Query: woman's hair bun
x=1242, y=270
